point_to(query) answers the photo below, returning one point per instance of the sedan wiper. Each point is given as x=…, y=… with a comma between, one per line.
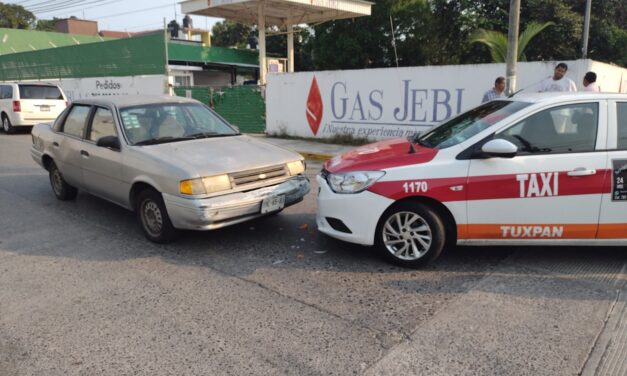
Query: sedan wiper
x=211, y=134
x=162, y=140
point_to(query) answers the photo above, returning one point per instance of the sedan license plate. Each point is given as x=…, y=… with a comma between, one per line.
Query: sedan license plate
x=44, y=108
x=272, y=204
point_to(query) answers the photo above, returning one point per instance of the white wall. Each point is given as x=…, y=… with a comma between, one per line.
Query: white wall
x=393, y=102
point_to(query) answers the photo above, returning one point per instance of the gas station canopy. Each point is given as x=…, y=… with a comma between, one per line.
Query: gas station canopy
x=288, y=13
x=278, y=12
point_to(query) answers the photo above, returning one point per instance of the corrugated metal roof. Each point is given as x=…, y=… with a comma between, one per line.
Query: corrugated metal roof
x=16, y=40
x=191, y=52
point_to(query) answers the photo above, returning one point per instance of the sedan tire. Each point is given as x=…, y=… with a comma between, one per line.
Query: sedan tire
x=410, y=234
x=60, y=187
x=153, y=217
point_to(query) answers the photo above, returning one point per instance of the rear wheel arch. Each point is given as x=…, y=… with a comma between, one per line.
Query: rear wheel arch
x=450, y=225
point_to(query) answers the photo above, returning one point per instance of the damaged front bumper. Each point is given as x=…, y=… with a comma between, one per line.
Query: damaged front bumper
x=229, y=209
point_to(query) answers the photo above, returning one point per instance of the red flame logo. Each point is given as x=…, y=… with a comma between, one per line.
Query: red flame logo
x=314, y=107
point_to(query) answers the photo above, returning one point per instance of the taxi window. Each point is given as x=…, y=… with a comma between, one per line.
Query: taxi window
x=621, y=117
x=469, y=124
x=563, y=129
x=102, y=125
x=76, y=120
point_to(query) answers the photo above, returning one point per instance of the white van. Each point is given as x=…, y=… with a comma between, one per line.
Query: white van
x=26, y=104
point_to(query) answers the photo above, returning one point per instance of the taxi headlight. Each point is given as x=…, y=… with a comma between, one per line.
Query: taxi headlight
x=206, y=185
x=353, y=182
x=296, y=167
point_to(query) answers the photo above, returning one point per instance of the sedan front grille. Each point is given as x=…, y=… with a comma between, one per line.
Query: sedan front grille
x=258, y=175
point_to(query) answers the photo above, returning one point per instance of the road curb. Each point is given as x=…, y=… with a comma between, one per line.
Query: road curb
x=315, y=156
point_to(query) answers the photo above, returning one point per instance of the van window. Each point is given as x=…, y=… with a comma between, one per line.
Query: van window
x=6, y=92
x=76, y=120
x=621, y=119
x=40, y=92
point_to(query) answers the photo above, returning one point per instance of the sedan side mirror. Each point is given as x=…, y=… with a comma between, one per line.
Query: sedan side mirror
x=111, y=142
x=499, y=148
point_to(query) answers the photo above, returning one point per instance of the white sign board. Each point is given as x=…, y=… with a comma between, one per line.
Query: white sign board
x=398, y=102
x=94, y=87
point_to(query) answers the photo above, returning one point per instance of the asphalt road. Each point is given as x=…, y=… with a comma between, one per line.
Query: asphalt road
x=83, y=293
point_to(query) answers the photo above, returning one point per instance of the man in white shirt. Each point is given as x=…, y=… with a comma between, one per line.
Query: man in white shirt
x=496, y=92
x=558, y=82
x=590, y=82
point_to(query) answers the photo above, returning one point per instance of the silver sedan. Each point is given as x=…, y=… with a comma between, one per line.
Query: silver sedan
x=172, y=160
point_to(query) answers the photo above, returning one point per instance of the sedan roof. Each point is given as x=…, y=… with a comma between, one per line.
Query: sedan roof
x=134, y=100
x=556, y=97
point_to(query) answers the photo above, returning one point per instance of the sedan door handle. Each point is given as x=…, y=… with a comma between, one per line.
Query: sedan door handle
x=55, y=144
x=581, y=171
x=83, y=152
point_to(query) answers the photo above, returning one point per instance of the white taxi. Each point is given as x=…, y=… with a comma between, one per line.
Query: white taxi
x=541, y=169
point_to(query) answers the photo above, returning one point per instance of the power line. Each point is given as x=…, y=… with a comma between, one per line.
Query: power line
x=131, y=12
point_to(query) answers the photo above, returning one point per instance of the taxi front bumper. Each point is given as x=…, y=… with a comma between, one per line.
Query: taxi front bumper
x=349, y=217
x=220, y=211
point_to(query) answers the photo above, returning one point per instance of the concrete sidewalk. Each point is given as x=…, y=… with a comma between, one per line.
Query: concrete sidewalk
x=311, y=150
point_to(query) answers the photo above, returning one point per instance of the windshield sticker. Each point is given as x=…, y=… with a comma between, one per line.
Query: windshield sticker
x=619, y=191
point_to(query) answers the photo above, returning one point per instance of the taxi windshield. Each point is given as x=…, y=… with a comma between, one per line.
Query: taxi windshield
x=468, y=124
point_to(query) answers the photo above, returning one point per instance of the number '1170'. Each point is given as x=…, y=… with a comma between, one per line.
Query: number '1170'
x=415, y=186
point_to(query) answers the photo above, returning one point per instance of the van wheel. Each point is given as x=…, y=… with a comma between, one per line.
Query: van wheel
x=153, y=217
x=410, y=234
x=60, y=187
x=6, y=125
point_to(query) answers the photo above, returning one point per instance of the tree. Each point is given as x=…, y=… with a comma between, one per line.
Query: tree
x=15, y=17
x=47, y=25
x=230, y=34
x=497, y=41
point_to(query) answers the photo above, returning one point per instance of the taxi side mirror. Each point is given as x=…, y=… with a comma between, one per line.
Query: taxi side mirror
x=111, y=142
x=499, y=148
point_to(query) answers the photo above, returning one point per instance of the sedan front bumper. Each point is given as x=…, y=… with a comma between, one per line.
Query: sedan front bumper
x=215, y=212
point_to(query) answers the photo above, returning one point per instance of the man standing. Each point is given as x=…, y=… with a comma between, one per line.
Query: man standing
x=496, y=92
x=558, y=82
x=590, y=82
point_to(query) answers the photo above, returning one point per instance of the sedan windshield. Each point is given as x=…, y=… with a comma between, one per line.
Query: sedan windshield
x=468, y=124
x=169, y=122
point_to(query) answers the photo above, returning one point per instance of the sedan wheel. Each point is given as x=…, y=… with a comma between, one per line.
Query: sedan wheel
x=410, y=234
x=60, y=187
x=153, y=217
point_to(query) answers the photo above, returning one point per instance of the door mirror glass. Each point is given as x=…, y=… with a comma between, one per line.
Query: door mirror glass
x=111, y=142
x=499, y=148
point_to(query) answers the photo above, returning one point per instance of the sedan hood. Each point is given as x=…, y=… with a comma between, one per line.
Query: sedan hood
x=214, y=156
x=381, y=155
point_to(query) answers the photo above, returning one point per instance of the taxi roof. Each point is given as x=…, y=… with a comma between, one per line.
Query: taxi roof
x=556, y=97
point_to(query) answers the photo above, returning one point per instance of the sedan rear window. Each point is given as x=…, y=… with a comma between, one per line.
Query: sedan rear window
x=40, y=92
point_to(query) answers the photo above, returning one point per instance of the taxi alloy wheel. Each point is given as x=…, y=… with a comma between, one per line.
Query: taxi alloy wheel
x=60, y=187
x=153, y=217
x=410, y=234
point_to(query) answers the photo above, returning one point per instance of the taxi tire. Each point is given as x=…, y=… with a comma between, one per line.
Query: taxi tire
x=166, y=232
x=432, y=219
x=64, y=191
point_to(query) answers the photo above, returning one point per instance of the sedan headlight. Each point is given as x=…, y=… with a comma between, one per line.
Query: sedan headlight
x=206, y=185
x=296, y=167
x=353, y=182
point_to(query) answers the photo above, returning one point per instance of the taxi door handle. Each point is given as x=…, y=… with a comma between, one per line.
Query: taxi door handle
x=581, y=171
x=83, y=152
x=55, y=144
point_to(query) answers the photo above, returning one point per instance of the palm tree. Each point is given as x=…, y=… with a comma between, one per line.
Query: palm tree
x=497, y=41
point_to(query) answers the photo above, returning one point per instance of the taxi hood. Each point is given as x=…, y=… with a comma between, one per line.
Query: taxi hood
x=381, y=155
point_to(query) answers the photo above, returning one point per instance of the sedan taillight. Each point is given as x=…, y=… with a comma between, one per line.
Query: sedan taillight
x=17, y=106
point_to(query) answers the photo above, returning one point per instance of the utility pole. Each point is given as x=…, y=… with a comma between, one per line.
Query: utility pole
x=586, y=29
x=512, y=46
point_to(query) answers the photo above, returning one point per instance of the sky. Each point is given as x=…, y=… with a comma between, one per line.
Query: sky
x=119, y=15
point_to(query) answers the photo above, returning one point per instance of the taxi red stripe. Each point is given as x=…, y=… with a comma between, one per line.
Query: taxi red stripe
x=492, y=187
